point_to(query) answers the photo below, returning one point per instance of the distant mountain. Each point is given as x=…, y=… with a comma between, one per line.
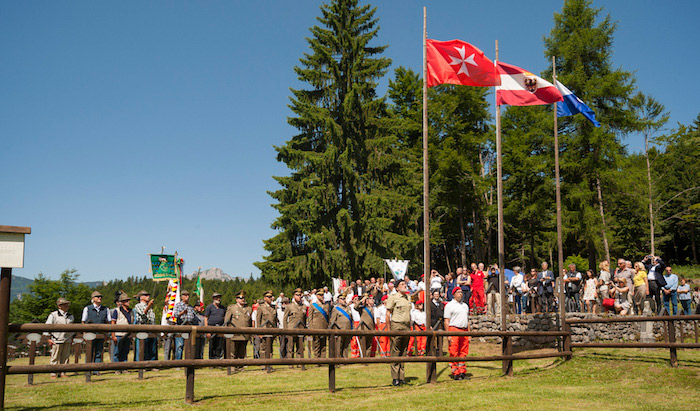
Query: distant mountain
x=20, y=285
x=211, y=274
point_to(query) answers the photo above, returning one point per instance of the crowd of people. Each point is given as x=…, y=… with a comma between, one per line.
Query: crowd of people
x=376, y=304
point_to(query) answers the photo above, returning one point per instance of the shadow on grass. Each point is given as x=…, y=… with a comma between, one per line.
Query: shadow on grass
x=628, y=358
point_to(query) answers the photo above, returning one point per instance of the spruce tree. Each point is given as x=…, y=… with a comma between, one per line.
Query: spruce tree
x=583, y=50
x=340, y=213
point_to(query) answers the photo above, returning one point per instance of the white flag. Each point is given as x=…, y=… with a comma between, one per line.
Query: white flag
x=398, y=268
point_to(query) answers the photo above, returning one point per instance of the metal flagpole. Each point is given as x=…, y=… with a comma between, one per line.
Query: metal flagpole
x=430, y=372
x=566, y=346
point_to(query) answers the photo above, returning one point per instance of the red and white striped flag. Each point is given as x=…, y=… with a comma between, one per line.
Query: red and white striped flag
x=521, y=88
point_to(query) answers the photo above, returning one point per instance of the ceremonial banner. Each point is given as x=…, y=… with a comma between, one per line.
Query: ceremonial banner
x=398, y=268
x=519, y=87
x=458, y=62
x=163, y=267
x=172, y=297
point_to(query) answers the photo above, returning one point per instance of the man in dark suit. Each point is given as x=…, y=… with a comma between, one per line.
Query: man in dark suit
x=545, y=288
x=437, y=313
x=655, y=276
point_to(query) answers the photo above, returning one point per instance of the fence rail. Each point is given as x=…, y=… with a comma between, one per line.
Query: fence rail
x=189, y=333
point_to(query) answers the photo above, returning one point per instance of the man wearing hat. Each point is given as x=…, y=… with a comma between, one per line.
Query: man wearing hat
x=341, y=319
x=398, y=317
x=295, y=317
x=365, y=309
x=60, y=341
x=183, y=314
x=239, y=315
x=457, y=319
x=214, y=315
x=96, y=313
x=317, y=319
x=122, y=343
x=266, y=318
x=144, y=315
x=418, y=324
x=355, y=340
x=380, y=321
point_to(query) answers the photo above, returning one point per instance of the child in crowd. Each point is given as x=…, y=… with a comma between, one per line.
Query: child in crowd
x=590, y=292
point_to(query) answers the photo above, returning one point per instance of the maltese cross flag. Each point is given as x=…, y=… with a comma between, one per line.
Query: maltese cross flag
x=458, y=62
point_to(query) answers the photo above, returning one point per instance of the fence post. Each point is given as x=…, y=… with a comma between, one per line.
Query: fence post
x=268, y=351
x=88, y=359
x=696, y=330
x=672, y=339
x=431, y=371
x=141, y=352
x=507, y=349
x=32, y=356
x=227, y=353
x=331, y=367
x=189, y=370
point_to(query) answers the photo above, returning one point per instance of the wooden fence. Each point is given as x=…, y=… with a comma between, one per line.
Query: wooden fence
x=190, y=364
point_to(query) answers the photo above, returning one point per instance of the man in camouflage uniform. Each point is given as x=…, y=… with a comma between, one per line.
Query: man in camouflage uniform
x=295, y=317
x=341, y=319
x=239, y=315
x=266, y=318
x=317, y=319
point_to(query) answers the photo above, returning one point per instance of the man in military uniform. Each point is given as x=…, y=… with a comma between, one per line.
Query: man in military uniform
x=239, y=315
x=341, y=319
x=398, y=316
x=266, y=318
x=317, y=319
x=365, y=307
x=295, y=317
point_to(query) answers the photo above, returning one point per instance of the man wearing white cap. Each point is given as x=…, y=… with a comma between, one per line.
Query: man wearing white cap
x=59, y=341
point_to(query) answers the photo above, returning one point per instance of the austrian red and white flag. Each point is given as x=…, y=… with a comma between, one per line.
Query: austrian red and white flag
x=458, y=62
x=521, y=88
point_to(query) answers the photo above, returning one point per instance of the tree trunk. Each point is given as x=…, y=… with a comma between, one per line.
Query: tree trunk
x=651, y=208
x=602, y=217
x=476, y=240
x=447, y=257
x=462, y=235
x=592, y=254
x=692, y=243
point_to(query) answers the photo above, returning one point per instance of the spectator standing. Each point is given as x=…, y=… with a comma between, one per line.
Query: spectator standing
x=545, y=289
x=60, y=341
x=122, y=343
x=436, y=281
x=590, y=292
x=183, y=314
x=478, y=298
x=493, y=296
x=327, y=296
x=533, y=300
x=457, y=319
x=399, y=319
x=684, y=296
x=418, y=323
x=572, y=281
x=144, y=315
x=450, y=283
x=641, y=287
x=603, y=281
x=516, y=285
x=214, y=315
x=96, y=313
x=655, y=278
x=437, y=311
x=201, y=340
x=696, y=299
x=464, y=282
x=670, y=291
x=620, y=291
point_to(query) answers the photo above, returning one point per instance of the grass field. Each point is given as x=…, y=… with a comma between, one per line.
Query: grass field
x=594, y=379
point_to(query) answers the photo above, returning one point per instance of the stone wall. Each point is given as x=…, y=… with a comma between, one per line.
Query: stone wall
x=608, y=332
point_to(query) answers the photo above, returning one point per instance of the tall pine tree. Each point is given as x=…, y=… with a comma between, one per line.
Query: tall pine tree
x=583, y=50
x=340, y=209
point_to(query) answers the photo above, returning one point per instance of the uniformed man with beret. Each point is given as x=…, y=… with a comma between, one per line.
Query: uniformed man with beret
x=238, y=315
x=266, y=318
x=317, y=319
x=365, y=308
x=341, y=319
x=295, y=317
x=398, y=317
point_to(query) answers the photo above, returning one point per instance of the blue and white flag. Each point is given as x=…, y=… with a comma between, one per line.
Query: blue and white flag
x=573, y=105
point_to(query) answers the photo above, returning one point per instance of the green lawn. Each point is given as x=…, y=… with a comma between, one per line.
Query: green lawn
x=595, y=378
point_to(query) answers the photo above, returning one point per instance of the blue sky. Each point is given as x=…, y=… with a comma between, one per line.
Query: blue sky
x=127, y=126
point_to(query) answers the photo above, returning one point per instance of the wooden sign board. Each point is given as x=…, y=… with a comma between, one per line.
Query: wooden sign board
x=11, y=250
